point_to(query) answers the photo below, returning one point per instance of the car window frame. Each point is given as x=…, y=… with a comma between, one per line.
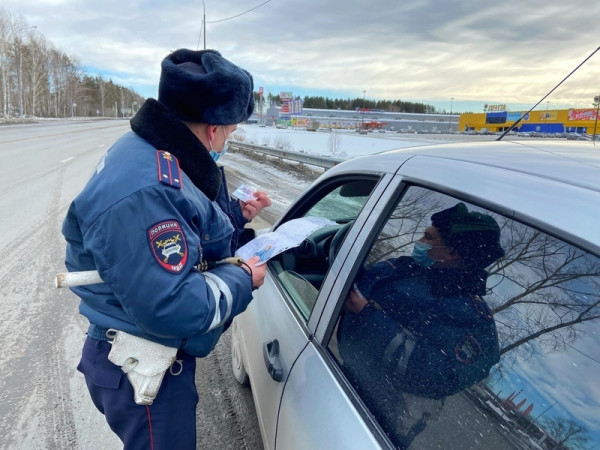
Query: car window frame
x=399, y=183
x=455, y=177
x=382, y=197
x=364, y=230
x=378, y=197
x=319, y=190
x=354, y=256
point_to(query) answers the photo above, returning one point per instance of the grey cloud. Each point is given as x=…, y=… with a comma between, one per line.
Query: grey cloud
x=513, y=51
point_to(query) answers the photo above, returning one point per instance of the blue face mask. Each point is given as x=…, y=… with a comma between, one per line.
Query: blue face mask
x=421, y=256
x=216, y=155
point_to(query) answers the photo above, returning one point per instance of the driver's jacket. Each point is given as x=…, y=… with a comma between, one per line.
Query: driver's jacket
x=145, y=220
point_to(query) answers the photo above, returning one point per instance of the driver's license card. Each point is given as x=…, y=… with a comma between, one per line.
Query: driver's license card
x=244, y=193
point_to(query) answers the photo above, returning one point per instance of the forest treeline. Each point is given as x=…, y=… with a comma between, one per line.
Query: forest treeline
x=38, y=79
x=350, y=104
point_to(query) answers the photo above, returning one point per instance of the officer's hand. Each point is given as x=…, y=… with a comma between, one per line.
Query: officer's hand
x=355, y=302
x=258, y=272
x=251, y=208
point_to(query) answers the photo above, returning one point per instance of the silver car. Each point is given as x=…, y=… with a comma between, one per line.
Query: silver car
x=476, y=271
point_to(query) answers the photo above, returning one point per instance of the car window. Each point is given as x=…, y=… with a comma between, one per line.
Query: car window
x=343, y=203
x=300, y=271
x=484, y=337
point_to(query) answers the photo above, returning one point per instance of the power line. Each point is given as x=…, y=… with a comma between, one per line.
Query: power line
x=238, y=15
x=582, y=353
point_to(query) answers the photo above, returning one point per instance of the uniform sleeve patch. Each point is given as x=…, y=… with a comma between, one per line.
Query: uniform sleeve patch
x=168, y=245
x=169, y=172
x=468, y=350
x=481, y=307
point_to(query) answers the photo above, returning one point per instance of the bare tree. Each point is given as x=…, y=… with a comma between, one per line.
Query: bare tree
x=405, y=225
x=102, y=94
x=566, y=432
x=540, y=292
x=554, y=287
x=12, y=30
x=334, y=142
x=20, y=31
x=4, y=58
x=36, y=80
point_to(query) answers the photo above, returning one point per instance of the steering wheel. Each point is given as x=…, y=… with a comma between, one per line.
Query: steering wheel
x=337, y=240
x=314, y=246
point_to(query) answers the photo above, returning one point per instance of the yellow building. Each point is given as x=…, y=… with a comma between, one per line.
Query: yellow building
x=497, y=118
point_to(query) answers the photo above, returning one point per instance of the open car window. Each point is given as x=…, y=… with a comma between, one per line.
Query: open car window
x=300, y=271
x=500, y=352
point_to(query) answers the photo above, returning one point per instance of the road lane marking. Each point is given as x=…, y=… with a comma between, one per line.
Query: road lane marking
x=67, y=160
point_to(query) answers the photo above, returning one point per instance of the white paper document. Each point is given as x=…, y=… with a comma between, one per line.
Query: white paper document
x=289, y=235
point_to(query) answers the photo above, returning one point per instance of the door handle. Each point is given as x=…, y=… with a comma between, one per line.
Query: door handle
x=271, y=355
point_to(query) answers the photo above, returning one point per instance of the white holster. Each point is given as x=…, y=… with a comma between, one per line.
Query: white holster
x=145, y=363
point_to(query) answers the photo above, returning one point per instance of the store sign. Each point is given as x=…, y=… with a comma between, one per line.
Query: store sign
x=582, y=114
x=495, y=108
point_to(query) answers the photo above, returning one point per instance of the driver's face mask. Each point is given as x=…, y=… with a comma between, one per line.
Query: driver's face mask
x=420, y=254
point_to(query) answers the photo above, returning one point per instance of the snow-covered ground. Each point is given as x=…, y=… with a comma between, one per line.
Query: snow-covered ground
x=344, y=144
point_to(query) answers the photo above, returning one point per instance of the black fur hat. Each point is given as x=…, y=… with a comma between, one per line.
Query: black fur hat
x=475, y=236
x=203, y=87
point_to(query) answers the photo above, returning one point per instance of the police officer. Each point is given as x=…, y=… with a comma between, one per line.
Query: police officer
x=154, y=214
x=419, y=327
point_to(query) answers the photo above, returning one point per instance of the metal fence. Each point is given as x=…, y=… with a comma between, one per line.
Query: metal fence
x=305, y=158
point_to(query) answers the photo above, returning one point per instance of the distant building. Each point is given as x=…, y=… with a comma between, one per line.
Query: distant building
x=272, y=116
x=497, y=119
x=357, y=119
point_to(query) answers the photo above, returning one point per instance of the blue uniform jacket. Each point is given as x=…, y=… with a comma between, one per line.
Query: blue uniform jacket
x=155, y=206
x=429, y=332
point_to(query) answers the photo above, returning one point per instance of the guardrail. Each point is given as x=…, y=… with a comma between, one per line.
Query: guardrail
x=305, y=158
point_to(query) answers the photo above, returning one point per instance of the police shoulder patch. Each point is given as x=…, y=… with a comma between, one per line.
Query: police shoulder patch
x=468, y=349
x=480, y=306
x=169, y=172
x=168, y=245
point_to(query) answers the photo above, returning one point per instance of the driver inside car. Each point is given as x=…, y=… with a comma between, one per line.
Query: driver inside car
x=416, y=329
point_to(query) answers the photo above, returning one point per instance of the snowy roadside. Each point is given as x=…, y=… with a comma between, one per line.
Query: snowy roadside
x=344, y=144
x=283, y=181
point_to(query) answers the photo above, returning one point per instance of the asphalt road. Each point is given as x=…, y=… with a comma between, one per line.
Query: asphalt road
x=44, y=403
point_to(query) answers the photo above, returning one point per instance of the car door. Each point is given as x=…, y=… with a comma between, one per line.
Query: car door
x=279, y=324
x=316, y=409
x=507, y=367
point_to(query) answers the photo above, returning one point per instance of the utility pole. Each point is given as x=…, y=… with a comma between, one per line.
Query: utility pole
x=362, y=117
x=450, y=119
x=597, y=105
x=204, y=23
x=540, y=415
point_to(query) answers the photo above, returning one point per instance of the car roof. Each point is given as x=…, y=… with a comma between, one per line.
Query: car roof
x=576, y=163
x=553, y=185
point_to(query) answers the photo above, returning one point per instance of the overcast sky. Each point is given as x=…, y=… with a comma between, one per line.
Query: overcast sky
x=475, y=52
